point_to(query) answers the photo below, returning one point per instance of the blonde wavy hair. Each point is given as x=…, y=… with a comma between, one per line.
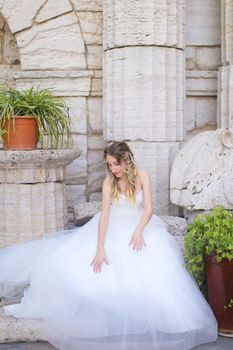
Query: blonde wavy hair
x=122, y=153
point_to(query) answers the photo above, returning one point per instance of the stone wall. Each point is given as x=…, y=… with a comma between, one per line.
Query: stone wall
x=58, y=44
x=203, y=58
x=9, y=54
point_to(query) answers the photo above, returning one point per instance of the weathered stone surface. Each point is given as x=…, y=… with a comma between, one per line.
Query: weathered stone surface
x=66, y=83
x=208, y=58
x=227, y=32
x=88, y=5
x=7, y=72
x=96, y=170
x=200, y=112
x=225, y=100
x=201, y=83
x=96, y=87
x=176, y=226
x=14, y=330
x=96, y=143
x=75, y=194
x=91, y=25
x=78, y=114
x=202, y=173
x=95, y=114
x=14, y=12
x=10, y=48
x=203, y=22
x=54, y=44
x=135, y=90
x=53, y=9
x=143, y=23
x=32, y=193
x=76, y=172
x=94, y=56
x=40, y=165
x=81, y=210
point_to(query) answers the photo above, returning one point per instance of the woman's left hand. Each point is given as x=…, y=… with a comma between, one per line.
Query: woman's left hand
x=137, y=241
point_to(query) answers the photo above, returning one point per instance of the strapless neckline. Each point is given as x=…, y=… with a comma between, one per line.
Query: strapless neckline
x=123, y=194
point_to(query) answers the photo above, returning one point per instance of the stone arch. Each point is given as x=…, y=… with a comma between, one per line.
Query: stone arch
x=9, y=54
x=49, y=36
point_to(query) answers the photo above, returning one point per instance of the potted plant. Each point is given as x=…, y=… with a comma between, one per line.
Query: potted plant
x=27, y=116
x=209, y=256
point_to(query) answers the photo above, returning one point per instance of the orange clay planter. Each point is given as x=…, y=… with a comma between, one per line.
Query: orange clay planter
x=220, y=292
x=23, y=133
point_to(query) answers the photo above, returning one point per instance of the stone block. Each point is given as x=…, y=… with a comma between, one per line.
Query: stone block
x=75, y=194
x=54, y=44
x=94, y=56
x=143, y=84
x=225, y=97
x=7, y=72
x=95, y=114
x=91, y=25
x=96, y=87
x=96, y=143
x=88, y=5
x=202, y=172
x=208, y=58
x=203, y=25
x=76, y=172
x=10, y=48
x=95, y=196
x=14, y=12
x=96, y=170
x=66, y=83
x=227, y=32
x=53, y=9
x=201, y=83
x=143, y=23
x=206, y=111
x=78, y=114
x=190, y=113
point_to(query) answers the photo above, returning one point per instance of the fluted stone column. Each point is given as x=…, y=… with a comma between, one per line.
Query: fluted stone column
x=32, y=193
x=225, y=75
x=144, y=84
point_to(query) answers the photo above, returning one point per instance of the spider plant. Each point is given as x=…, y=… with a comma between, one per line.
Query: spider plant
x=50, y=112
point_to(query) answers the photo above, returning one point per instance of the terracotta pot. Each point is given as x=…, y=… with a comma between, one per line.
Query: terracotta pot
x=23, y=136
x=220, y=292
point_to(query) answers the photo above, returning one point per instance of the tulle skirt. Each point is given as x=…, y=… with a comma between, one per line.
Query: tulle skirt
x=142, y=300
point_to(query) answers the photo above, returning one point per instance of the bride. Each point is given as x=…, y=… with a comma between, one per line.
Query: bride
x=119, y=282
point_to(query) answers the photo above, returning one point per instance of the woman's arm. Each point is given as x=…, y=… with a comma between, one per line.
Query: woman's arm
x=137, y=240
x=101, y=256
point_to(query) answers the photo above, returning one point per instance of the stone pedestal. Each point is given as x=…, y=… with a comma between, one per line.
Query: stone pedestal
x=32, y=193
x=144, y=84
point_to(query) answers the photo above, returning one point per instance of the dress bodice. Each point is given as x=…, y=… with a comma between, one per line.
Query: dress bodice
x=124, y=205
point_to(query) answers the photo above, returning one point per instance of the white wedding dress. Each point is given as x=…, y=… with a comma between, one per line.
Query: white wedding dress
x=142, y=300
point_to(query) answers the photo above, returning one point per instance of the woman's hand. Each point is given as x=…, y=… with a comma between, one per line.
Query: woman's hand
x=98, y=261
x=137, y=241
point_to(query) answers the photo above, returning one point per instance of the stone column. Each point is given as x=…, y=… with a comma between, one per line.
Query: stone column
x=225, y=75
x=32, y=193
x=144, y=84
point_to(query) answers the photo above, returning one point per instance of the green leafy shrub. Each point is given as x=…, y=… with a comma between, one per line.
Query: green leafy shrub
x=208, y=234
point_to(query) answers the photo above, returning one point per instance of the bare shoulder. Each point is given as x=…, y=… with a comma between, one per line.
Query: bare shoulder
x=143, y=175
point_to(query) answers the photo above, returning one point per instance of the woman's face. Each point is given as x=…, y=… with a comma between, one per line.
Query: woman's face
x=118, y=169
